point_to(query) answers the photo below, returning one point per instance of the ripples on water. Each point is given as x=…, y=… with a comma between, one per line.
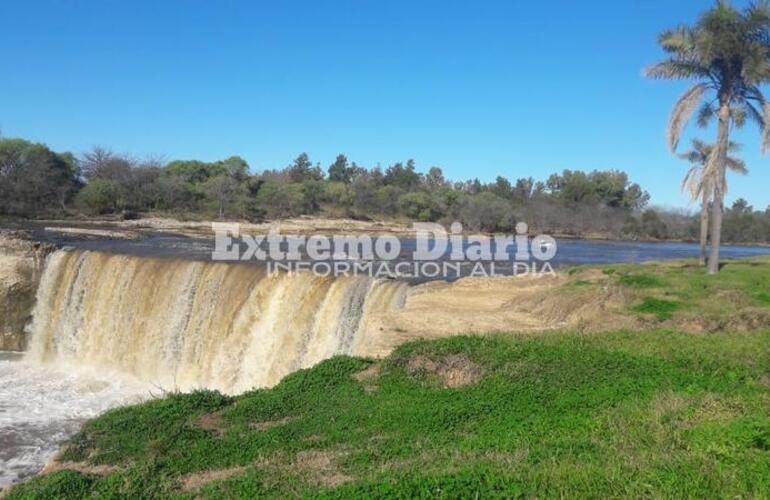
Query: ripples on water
x=569, y=251
x=40, y=406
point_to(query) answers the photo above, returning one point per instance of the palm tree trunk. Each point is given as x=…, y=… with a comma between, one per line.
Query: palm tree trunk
x=716, y=232
x=704, y=228
x=723, y=140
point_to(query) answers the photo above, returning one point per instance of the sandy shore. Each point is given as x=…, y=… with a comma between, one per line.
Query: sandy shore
x=298, y=225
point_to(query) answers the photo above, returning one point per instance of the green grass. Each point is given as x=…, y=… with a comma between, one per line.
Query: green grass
x=662, y=309
x=579, y=283
x=625, y=414
x=642, y=281
x=762, y=297
x=682, y=290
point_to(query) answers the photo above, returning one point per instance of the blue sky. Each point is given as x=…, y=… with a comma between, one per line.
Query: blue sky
x=481, y=89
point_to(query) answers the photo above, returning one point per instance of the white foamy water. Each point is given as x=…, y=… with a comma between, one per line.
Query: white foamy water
x=42, y=405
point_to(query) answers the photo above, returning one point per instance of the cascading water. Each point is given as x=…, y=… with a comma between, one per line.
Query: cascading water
x=170, y=324
x=182, y=324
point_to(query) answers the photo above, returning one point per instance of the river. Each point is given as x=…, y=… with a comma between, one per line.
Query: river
x=40, y=406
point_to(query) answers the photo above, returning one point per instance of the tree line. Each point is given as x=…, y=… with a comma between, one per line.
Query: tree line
x=38, y=182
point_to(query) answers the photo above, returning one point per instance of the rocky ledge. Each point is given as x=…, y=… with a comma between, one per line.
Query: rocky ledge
x=21, y=263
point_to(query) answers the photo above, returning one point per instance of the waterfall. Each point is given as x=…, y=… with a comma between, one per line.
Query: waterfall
x=184, y=324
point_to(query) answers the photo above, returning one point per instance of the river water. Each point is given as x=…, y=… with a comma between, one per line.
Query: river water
x=40, y=406
x=569, y=252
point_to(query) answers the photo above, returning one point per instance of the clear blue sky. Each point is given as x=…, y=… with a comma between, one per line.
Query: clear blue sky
x=517, y=88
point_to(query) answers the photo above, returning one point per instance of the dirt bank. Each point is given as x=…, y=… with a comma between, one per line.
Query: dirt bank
x=469, y=305
x=297, y=225
x=674, y=295
x=21, y=262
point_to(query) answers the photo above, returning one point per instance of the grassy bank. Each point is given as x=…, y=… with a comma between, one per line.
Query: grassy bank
x=652, y=413
x=676, y=295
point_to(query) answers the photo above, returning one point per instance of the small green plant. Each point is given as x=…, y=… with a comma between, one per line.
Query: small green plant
x=661, y=308
x=763, y=298
x=642, y=281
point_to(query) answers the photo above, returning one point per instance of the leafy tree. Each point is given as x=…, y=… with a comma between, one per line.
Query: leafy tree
x=223, y=189
x=728, y=52
x=448, y=202
x=572, y=186
x=99, y=196
x=339, y=170
x=403, y=176
x=524, y=189
x=502, y=188
x=386, y=199
x=173, y=193
x=418, y=205
x=487, y=212
x=302, y=170
x=104, y=164
x=653, y=226
x=313, y=193
x=742, y=206
x=281, y=200
x=191, y=171
x=434, y=180
x=34, y=179
x=609, y=188
x=340, y=195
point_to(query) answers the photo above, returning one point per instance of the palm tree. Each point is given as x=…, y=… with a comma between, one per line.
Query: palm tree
x=728, y=52
x=700, y=185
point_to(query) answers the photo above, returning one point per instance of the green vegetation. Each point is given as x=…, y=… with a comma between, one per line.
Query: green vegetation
x=740, y=286
x=684, y=293
x=641, y=280
x=661, y=308
x=625, y=414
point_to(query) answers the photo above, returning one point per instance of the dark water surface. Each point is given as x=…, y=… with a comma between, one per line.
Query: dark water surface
x=569, y=251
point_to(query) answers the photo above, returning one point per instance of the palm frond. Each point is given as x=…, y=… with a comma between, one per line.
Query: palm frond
x=692, y=183
x=752, y=92
x=738, y=115
x=736, y=165
x=680, y=40
x=703, y=175
x=700, y=146
x=758, y=16
x=753, y=114
x=693, y=157
x=714, y=172
x=755, y=67
x=765, y=127
x=682, y=113
x=675, y=69
x=705, y=114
